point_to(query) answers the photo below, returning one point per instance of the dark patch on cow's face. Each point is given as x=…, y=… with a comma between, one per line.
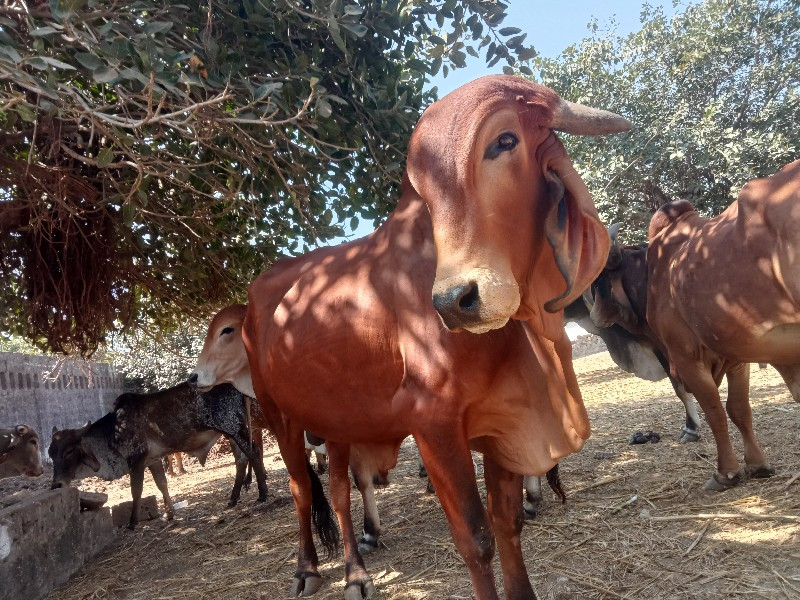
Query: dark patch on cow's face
x=68, y=453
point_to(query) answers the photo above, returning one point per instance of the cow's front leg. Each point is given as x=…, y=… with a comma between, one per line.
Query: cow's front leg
x=161, y=483
x=698, y=379
x=502, y=488
x=358, y=583
x=740, y=413
x=445, y=450
x=690, y=432
x=137, y=465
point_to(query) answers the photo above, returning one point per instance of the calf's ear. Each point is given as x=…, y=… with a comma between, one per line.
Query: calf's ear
x=89, y=459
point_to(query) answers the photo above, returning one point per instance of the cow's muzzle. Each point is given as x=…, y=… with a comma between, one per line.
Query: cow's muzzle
x=477, y=300
x=192, y=379
x=458, y=306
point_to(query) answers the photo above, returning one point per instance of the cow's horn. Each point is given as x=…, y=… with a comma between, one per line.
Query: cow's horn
x=583, y=120
x=613, y=230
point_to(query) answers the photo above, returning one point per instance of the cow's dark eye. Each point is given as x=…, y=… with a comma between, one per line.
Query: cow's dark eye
x=504, y=143
x=226, y=330
x=507, y=141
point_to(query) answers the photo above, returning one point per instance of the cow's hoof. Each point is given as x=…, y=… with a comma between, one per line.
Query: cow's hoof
x=359, y=589
x=367, y=544
x=232, y=503
x=429, y=488
x=131, y=526
x=717, y=483
x=305, y=584
x=531, y=510
x=686, y=436
x=169, y=516
x=423, y=472
x=760, y=472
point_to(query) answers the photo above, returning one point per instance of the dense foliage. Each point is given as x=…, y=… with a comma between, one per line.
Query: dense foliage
x=714, y=100
x=155, y=156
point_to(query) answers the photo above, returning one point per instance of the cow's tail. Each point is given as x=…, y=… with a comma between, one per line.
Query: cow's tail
x=554, y=481
x=248, y=478
x=322, y=515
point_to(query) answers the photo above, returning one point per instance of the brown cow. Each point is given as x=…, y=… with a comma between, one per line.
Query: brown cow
x=722, y=293
x=725, y=292
x=497, y=228
x=19, y=452
x=224, y=359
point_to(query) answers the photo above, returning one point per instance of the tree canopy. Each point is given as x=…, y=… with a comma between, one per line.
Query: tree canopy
x=713, y=97
x=156, y=156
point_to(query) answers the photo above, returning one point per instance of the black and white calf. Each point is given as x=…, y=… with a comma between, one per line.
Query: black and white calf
x=142, y=428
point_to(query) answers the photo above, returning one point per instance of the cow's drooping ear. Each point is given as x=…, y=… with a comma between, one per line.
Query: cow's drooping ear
x=89, y=459
x=577, y=242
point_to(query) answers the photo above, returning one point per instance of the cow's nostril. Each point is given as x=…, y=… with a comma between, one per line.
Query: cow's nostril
x=468, y=302
x=56, y=485
x=192, y=378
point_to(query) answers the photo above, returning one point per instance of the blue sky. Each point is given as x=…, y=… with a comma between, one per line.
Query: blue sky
x=551, y=27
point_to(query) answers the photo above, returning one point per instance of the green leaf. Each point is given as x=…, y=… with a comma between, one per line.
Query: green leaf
x=105, y=157
x=43, y=31
x=90, y=61
x=324, y=108
x=505, y=31
x=353, y=10
x=57, y=63
x=157, y=27
x=25, y=113
x=358, y=30
x=105, y=74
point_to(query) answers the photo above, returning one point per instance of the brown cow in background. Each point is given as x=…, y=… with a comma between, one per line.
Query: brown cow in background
x=721, y=293
x=19, y=452
x=497, y=230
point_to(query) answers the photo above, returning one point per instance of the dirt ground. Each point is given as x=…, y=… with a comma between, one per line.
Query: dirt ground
x=601, y=544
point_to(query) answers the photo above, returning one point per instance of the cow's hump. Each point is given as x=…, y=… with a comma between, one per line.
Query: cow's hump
x=666, y=215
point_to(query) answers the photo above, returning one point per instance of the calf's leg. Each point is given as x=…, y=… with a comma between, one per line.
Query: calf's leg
x=690, y=432
x=243, y=440
x=358, y=583
x=161, y=483
x=502, y=488
x=137, y=467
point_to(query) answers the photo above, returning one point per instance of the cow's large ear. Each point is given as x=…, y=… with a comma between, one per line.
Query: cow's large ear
x=89, y=459
x=577, y=242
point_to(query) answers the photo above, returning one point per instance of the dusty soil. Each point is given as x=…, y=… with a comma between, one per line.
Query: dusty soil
x=601, y=544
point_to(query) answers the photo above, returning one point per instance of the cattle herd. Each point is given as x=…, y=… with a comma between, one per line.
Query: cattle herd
x=447, y=324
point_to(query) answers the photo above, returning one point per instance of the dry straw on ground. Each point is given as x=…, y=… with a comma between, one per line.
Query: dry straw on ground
x=636, y=523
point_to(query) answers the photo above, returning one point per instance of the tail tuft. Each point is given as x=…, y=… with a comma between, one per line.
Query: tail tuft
x=554, y=481
x=322, y=515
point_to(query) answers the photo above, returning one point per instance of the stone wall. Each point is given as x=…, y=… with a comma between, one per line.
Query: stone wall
x=37, y=391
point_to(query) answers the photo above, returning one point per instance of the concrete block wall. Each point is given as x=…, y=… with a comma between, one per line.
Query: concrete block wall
x=45, y=538
x=36, y=391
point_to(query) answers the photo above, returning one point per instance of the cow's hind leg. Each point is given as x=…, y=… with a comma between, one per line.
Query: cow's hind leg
x=368, y=540
x=502, y=488
x=358, y=583
x=533, y=496
x=698, y=378
x=738, y=407
x=447, y=458
x=161, y=483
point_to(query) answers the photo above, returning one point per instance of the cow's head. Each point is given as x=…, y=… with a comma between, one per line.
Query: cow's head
x=223, y=358
x=516, y=232
x=69, y=452
x=612, y=295
x=20, y=451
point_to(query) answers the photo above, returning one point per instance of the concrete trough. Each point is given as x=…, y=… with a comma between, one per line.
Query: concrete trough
x=45, y=538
